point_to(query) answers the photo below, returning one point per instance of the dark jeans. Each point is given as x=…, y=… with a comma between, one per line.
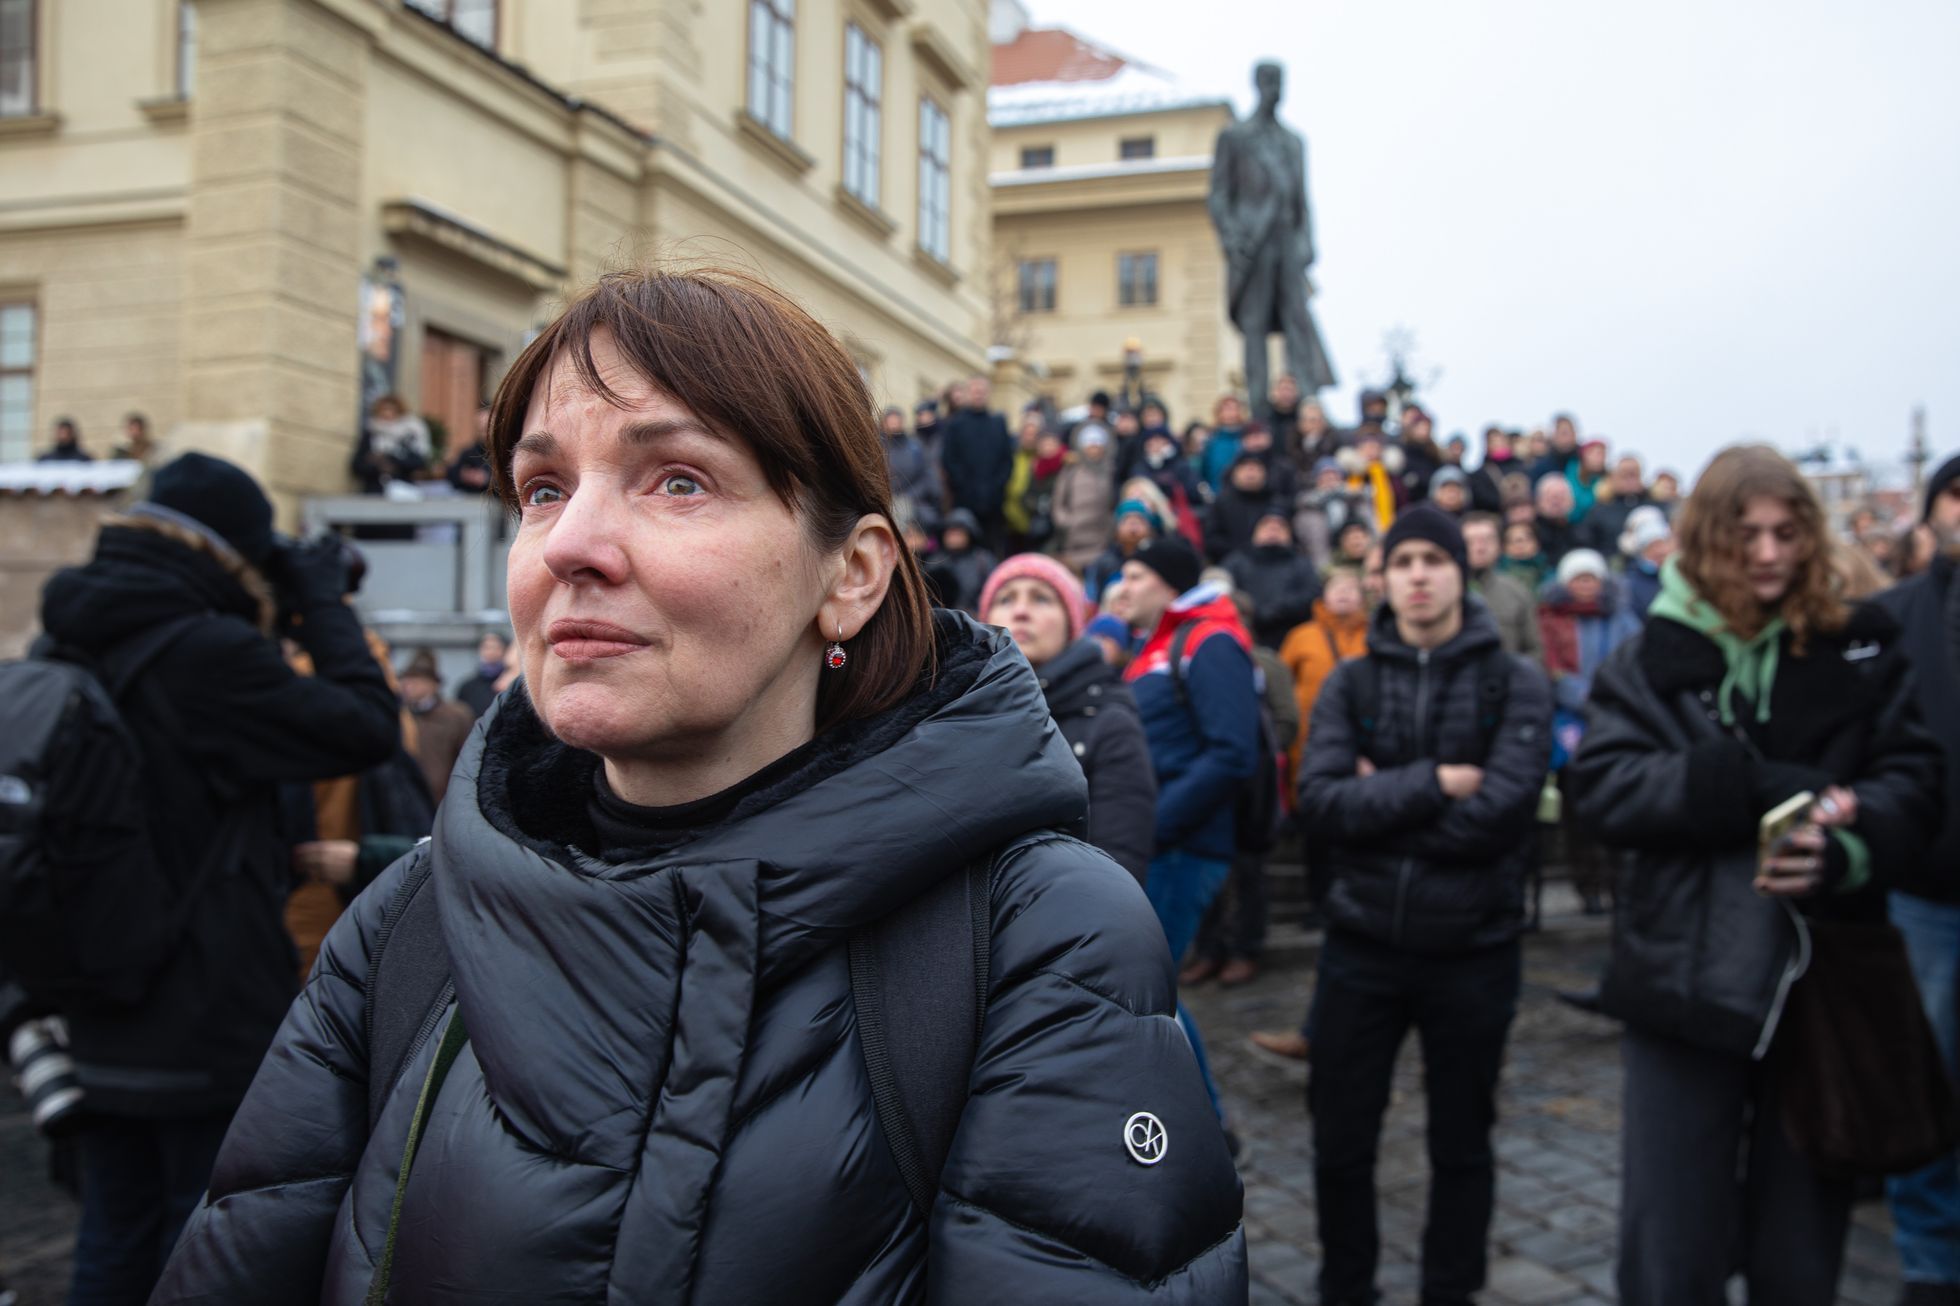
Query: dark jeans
x=141, y=1179
x=1366, y=999
x=1926, y=1203
x=1710, y=1185
x=1236, y=924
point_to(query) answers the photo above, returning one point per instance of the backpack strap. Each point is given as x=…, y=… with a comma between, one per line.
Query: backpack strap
x=1365, y=701
x=1179, y=638
x=919, y=981
x=1493, y=694
x=454, y=1036
x=411, y=965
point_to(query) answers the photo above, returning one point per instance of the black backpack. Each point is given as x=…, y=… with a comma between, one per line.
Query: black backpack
x=918, y=979
x=1256, y=812
x=86, y=912
x=1493, y=693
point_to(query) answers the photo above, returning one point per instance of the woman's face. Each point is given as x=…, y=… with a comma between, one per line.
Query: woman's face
x=664, y=599
x=1343, y=596
x=1520, y=542
x=1033, y=614
x=1773, y=548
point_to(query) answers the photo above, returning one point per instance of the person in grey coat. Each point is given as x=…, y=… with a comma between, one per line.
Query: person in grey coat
x=741, y=739
x=1512, y=606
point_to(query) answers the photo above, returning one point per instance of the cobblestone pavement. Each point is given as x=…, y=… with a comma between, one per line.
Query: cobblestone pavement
x=1557, y=1142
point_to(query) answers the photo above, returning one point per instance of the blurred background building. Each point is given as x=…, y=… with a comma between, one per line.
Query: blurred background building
x=249, y=218
x=1108, y=275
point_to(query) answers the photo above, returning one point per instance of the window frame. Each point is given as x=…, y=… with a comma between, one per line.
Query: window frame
x=778, y=83
x=1128, y=263
x=864, y=148
x=935, y=215
x=1030, y=165
x=28, y=371
x=1125, y=154
x=31, y=57
x=1045, y=290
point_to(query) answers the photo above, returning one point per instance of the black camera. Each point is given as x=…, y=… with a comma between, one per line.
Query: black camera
x=45, y=1074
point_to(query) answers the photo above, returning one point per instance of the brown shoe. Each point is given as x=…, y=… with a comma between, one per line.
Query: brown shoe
x=1200, y=970
x=1237, y=971
x=1292, y=1044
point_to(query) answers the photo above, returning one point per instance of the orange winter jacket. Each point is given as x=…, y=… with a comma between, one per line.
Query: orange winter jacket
x=1311, y=651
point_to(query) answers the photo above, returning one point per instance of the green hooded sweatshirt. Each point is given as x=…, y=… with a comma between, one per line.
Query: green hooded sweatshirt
x=1752, y=665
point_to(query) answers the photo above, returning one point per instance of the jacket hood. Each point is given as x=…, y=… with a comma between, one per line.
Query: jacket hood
x=144, y=572
x=845, y=830
x=1479, y=633
x=1066, y=681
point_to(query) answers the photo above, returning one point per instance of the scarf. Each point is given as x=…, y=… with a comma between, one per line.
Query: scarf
x=1374, y=482
x=1751, y=662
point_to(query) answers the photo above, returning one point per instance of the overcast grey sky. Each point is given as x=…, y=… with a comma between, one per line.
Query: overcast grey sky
x=1687, y=221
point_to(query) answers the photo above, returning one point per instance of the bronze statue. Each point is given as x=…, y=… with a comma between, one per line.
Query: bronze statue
x=1258, y=203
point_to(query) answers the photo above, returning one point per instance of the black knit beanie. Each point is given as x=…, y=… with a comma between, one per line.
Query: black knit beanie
x=1173, y=559
x=1431, y=524
x=223, y=497
x=1949, y=472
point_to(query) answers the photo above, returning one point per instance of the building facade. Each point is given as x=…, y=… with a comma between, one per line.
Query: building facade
x=1107, y=273
x=240, y=217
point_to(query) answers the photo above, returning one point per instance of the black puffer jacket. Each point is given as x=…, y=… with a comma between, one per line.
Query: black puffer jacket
x=1697, y=954
x=1410, y=866
x=1920, y=607
x=1283, y=585
x=663, y=1097
x=1098, y=718
x=221, y=721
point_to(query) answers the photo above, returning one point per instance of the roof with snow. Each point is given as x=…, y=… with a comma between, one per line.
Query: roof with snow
x=1049, y=74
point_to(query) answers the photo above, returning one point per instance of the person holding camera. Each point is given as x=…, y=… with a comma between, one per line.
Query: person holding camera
x=219, y=720
x=1758, y=749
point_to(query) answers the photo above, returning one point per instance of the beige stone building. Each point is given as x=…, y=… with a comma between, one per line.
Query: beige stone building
x=233, y=214
x=1100, y=168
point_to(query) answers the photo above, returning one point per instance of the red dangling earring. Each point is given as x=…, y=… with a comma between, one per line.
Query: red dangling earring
x=835, y=657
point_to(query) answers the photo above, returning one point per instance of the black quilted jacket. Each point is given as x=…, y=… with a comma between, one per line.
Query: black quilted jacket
x=663, y=1098
x=1408, y=865
x=1698, y=955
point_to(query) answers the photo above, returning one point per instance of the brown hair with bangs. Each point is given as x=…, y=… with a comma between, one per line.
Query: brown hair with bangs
x=753, y=365
x=1711, y=546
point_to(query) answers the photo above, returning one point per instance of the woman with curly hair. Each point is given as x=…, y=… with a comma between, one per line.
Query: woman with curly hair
x=1752, y=683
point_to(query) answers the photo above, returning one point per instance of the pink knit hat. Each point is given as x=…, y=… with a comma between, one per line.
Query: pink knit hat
x=1041, y=567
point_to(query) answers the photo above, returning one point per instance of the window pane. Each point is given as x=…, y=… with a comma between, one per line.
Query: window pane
x=1138, y=147
x=186, y=48
x=783, y=70
x=874, y=71
x=17, y=335
x=16, y=418
x=475, y=20
x=16, y=58
x=759, y=59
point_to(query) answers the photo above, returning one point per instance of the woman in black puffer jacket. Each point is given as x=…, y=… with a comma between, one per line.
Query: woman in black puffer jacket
x=1041, y=605
x=1751, y=683
x=740, y=741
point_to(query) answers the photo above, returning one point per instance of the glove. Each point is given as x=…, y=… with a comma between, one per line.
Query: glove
x=308, y=575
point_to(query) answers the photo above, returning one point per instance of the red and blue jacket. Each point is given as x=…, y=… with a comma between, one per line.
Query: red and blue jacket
x=1204, y=754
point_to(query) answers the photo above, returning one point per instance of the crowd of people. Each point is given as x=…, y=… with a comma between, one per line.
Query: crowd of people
x=825, y=944
x=1428, y=654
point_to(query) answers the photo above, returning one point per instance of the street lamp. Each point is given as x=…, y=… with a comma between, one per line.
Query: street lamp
x=1133, y=374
